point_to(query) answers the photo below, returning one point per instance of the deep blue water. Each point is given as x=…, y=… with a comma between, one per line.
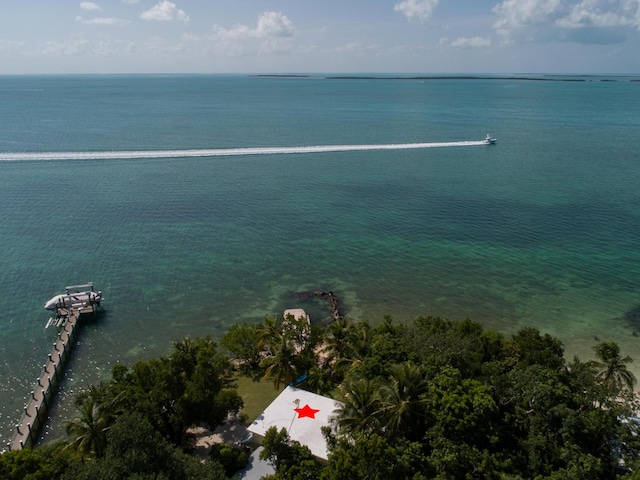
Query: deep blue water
x=541, y=229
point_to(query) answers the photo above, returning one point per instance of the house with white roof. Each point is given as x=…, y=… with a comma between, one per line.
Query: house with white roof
x=302, y=414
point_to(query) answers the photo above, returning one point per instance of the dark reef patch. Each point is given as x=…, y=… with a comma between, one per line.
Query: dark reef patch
x=633, y=316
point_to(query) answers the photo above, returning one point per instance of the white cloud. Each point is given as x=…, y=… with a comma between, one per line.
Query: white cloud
x=164, y=11
x=270, y=36
x=274, y=24
x=420, y=10
x=468, y=42
x=552, y=19
x=102, y=21
x=514, y=14
x=349, y=47
x=164, y=47
x=68, y=48
x=407, y=50
x=10, y=47
x=603, y=14
x=81, y=45
x=356, y=47
x=90, y=6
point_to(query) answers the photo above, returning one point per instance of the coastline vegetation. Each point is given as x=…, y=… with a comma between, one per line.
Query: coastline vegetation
x=437, y=399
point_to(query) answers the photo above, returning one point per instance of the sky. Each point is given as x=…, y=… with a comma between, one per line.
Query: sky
x=320, y=36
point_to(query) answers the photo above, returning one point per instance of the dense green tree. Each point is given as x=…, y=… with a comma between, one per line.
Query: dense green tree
x=231, y=458
x=300, y=332
x=208, y=394
x=461, y=409
x=529, y=347
x=41, y=463
x=450, y=459
x=461, y=435
x=291, y=460
x=153, y=389
x=436, y=342
x=372, y=457
x=387, y=348
x=190, y=386
x=137, y=451
x=243, y=343
x=513, y=408
x=550, y=415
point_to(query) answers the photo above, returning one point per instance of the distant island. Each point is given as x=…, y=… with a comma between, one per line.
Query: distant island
x=530, y=78
x=282, y=75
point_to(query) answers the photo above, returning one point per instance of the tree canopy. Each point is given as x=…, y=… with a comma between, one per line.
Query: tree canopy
x=135, y=450
x=455, y=401
x=435, y=399
x=190, y=386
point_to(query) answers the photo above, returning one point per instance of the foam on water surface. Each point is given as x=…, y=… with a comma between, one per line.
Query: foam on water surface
x=224, y=152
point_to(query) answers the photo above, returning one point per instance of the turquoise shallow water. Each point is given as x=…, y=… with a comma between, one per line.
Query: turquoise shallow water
x=541, y=229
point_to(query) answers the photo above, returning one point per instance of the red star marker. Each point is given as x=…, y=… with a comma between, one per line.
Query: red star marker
x=306, y=411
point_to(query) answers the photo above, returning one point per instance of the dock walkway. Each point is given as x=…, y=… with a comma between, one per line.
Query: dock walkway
x=36, y=410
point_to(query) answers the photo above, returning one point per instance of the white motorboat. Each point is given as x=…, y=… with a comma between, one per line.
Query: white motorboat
x=489, y=140
x=77, y=296
x=79, y=299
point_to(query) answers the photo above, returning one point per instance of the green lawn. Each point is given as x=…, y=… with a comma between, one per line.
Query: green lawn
x=256, y=395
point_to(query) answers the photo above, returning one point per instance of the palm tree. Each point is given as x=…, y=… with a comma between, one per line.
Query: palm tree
x=403, y=400
x=359, y=413
x=97, y=413
x=360, y=342
x=319, y=381
x=267, y=332
x=356, y=346
x=281, y=364
x=612, y=368
x=89, y=429
x=336, y=339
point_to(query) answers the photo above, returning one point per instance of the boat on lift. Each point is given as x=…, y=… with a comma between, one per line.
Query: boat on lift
x=489, y=140
x=77, y=296
x=75, y=300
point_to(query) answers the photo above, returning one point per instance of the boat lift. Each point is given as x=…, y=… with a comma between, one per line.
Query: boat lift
x=78, y=299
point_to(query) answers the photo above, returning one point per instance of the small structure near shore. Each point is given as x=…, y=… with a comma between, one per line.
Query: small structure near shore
x=297, y=314
x=78, y=301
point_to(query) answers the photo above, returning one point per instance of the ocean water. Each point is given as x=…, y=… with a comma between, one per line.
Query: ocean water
x=541, y=229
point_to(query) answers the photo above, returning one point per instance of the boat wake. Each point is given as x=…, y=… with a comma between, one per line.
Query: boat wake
x=221, y=152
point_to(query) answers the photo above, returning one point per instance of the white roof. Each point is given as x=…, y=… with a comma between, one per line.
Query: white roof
x=302, y=414
x=296, y=313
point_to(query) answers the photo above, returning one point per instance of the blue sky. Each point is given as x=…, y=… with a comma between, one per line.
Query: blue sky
x=297, y=36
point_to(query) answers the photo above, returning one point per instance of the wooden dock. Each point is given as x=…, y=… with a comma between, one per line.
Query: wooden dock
x=35, y=414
